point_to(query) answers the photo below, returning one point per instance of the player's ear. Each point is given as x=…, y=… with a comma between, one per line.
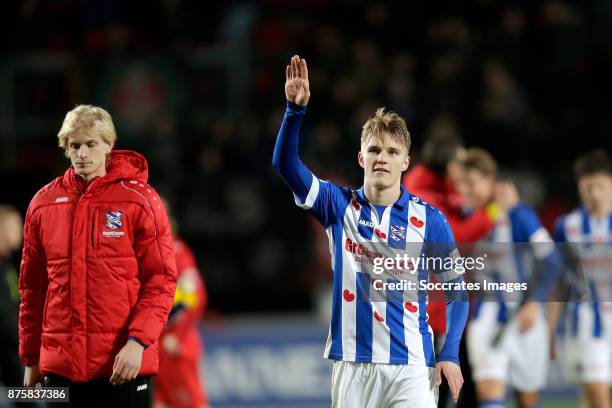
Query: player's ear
x=360, y=159
x=406, y=163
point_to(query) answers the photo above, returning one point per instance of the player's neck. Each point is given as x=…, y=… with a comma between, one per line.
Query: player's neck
x=89, y=177
x=387, y=196
x=599, y=212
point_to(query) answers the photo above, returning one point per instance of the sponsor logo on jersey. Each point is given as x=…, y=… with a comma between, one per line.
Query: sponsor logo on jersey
x=359, y=249
x=113, y=233
x=61, y=200
x=366, y=223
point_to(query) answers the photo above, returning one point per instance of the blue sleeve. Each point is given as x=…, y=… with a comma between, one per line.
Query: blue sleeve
x=439, y=238
x=526, y=227
x=525, y=223
x=457, y=308
x=559, y=231
x=318, y=197
x=285, y=159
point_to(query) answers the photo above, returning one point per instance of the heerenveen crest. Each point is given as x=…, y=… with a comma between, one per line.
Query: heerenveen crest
x=398, y=233
x=113, y=219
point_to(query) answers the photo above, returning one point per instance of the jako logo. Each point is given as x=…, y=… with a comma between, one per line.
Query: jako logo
x=365, y=223
x=141, y=387
x=61, y=200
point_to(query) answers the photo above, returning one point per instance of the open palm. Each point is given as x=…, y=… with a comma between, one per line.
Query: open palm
x=297, y=89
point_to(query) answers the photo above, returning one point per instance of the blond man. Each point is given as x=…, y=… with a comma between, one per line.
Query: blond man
x=379, y=340
x=98, y=272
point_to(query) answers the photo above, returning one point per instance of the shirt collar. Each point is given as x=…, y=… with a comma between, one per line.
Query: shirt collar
x=400, y=204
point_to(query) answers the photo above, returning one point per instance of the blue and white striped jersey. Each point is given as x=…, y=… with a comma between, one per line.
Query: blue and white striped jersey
x=509, y=262
x=520, y=225
x=380, y=332
x=594, y=239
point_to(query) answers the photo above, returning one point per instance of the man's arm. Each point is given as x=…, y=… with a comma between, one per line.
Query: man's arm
x=286, y=159
x=33, y=282
x=189, y=301
x=457, y=308
x=157, y=266
x=311, y=194
x=441, y=242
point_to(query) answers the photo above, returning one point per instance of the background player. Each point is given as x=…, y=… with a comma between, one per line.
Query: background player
x=588, y=356
x=521, y=358
x=438, y=179
x=383, y=350
x=178, y=383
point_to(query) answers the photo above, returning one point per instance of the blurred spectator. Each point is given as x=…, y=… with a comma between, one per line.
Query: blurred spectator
x=11, y=234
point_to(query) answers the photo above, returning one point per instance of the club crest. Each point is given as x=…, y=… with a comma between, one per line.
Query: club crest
x=398, y=233
x=113, y=219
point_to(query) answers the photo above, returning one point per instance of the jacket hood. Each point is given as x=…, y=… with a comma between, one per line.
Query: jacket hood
x=424, y=183
x=421, y=178
x=121, y=165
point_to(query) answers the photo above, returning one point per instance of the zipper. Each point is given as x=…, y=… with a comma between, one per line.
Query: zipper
x=94, y=229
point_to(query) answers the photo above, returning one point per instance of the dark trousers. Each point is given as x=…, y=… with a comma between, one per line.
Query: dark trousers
x=100, y=393
x=11, y=369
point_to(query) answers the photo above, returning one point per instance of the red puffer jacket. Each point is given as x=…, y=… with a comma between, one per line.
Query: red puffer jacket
x=97, y=267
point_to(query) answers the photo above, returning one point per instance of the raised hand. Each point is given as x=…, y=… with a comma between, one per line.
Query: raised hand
x=506, y=195
x=297, y=89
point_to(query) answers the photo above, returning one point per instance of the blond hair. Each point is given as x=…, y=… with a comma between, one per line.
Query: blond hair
x=480, y=160
x=386, y=123
x=91, y=118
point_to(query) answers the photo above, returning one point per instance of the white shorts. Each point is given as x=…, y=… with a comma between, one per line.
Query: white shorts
x=374, y=385
x=588, y=359
x=519, y=360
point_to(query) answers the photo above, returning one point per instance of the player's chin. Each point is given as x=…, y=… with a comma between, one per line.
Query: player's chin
x=381, y=183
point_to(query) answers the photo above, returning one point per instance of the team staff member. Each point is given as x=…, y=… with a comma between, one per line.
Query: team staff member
x=98, y=272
